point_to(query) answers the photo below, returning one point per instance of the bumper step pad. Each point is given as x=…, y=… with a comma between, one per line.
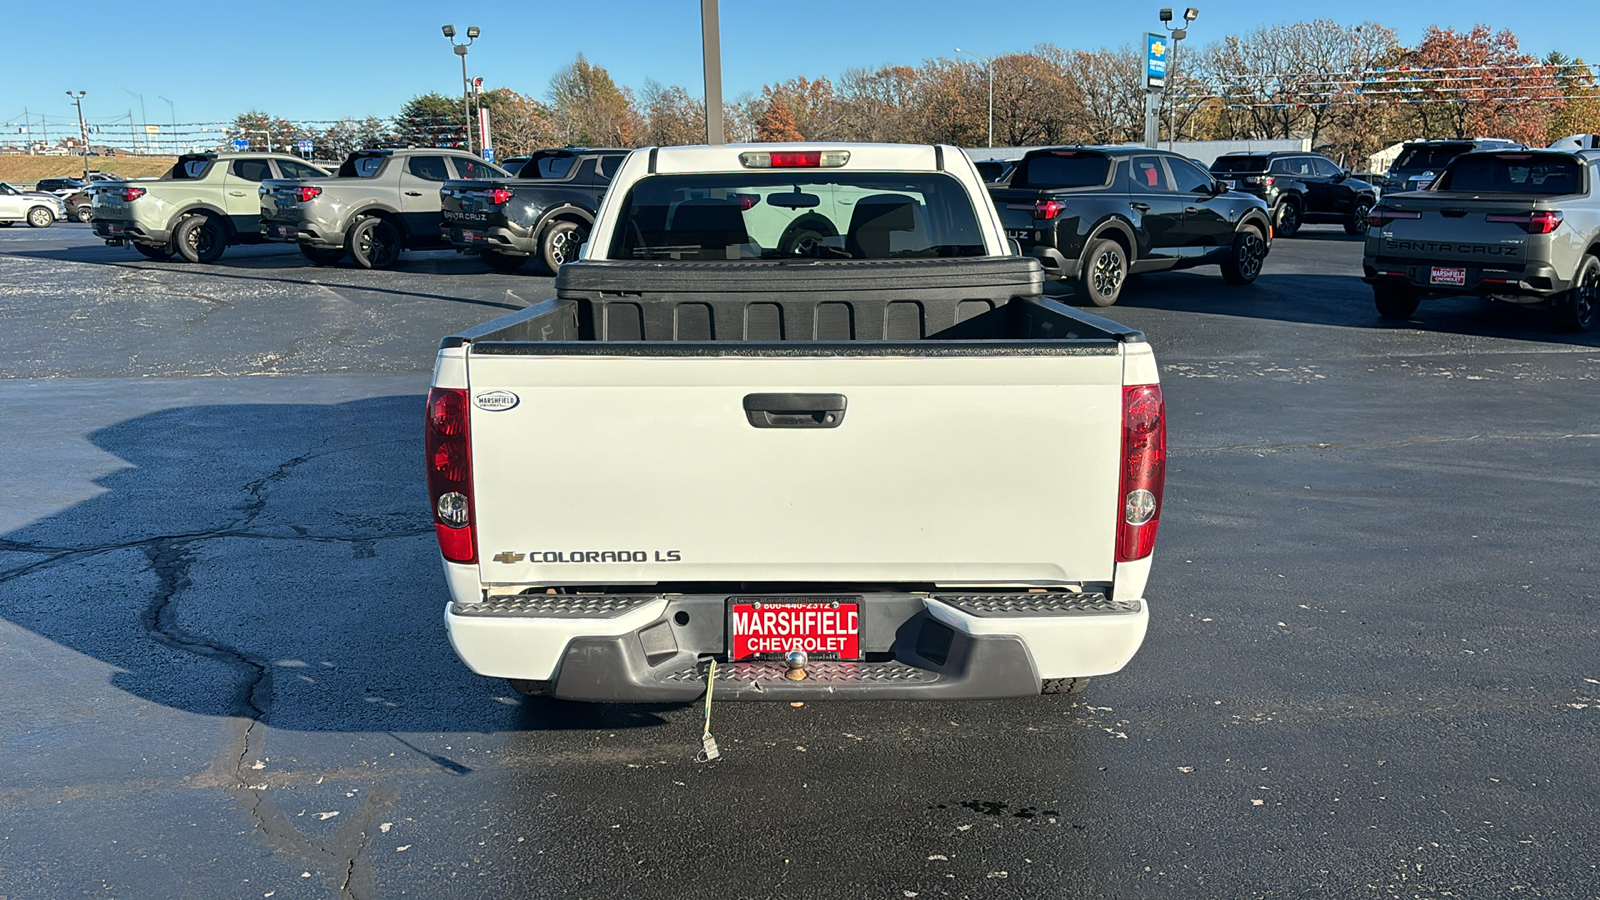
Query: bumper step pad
x=818, y=673
x=560, y=606
x=1057, y=603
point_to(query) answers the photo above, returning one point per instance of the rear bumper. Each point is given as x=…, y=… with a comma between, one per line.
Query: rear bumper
x=302, y=231
x=916, y=646
x=468, y=236
x=1055, y=264
x=128, y=230
x=1535, y=279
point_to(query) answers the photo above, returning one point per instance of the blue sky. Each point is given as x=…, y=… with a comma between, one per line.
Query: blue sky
x=338, y=58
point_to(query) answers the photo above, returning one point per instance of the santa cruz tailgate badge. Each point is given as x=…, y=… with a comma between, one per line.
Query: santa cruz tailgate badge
x=495, y=401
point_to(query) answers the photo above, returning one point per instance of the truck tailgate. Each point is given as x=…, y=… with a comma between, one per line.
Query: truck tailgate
x=614, y=469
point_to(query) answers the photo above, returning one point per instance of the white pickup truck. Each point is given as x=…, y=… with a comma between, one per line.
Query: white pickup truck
x=798, y=411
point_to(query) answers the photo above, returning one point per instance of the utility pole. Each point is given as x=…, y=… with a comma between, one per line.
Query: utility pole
x=143, y=119
x=173, y=114
x=711, y=53
x=27, y=128
x=84, y=128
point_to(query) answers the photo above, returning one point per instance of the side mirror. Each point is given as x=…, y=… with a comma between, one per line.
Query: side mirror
x=1340, y=177
x=1218, y=187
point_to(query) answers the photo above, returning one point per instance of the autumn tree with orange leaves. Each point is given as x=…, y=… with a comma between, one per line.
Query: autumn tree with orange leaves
x=1478, y=83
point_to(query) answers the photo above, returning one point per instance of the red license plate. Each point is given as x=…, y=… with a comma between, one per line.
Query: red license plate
x=823, y=627
x=114, y=229
x=1453, y=276
x=470, y=236
x=284, y=231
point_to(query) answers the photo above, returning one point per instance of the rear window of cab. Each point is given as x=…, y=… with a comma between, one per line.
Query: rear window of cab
x=1513, y=173
x=1062, y=169
x=1233, y=165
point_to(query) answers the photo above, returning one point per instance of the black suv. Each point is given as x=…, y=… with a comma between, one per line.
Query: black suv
x=61, y=187
x=1300, y=188
x=1095, y=215
x=1420, y=162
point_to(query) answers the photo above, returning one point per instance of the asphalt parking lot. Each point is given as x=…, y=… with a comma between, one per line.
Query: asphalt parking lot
x=1372, y=668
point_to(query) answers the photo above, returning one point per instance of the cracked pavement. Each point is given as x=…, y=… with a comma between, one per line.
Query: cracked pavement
x=1371, y=669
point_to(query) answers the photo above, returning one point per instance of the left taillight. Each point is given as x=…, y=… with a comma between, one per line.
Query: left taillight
x=1144, y=470
x=449, y=461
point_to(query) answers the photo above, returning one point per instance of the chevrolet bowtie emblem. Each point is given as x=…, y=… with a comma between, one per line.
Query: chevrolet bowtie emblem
x=508, y=557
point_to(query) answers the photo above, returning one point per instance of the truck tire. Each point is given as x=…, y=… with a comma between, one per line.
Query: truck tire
x=559, y=243
x=157, y=252
x=503, y=262
x=1104, y=272
x=1395, y=301
x=41, y=217
x=321, y=256
x=200, y=239
x=85, y=214
x=1063, y=685
x=1574, y=309
x=1243, y=264
x=1288, y=217
x=1357, y=223
x=374, y=243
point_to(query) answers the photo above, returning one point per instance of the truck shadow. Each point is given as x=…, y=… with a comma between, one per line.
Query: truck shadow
x=264, y=560
x=1316, y=299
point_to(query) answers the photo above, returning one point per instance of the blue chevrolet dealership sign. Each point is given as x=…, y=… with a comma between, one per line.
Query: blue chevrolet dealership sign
x=1156, y=47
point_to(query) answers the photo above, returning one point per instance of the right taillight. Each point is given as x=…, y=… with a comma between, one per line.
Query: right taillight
x=130, y=194
x=1380, y=215
x=1144, y=470
x=305, y=194
x=1541, y=222
x=449, y=461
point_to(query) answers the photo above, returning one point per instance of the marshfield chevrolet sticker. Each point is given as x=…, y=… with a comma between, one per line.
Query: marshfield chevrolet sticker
x=494, y=401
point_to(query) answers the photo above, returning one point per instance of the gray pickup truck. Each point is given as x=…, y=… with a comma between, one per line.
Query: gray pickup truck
x=205, y=203
x=1518, y=226
x=380, y=203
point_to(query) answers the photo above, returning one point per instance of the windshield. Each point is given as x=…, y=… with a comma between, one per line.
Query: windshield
x=1061, y=169
x=812, y=213
x=1231, y=165
x=362, y=165
x=1430, y=156
x=1513, y=173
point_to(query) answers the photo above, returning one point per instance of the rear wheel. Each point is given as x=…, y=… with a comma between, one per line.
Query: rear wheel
x=1105, y=270
x=375, y=243
x=157, y=252
x=200, y=239
x=560, y=242
x=1395, y=301
x=321, y=256
x=502, y=262
x=1574, y=309
x=1244, y=262
x=1288, y=218
x=39, y=217
x=85, y=215
x=1357, y=223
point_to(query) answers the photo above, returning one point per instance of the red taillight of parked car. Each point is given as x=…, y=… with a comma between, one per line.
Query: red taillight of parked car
x=499, y=195
x=1048, y=209
x=1144, y=470
x=130, y=194
x=1542, y=222
x=449, y=461
x=304, y=194
x=1382, y=215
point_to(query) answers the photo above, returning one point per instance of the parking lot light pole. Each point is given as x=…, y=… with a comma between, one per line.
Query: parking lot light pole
x=988, y=63
x=461, y=51
x=1178, y=34
x=83, y=129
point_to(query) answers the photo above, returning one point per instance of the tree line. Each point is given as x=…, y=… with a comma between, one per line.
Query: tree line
x=1351, y=90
